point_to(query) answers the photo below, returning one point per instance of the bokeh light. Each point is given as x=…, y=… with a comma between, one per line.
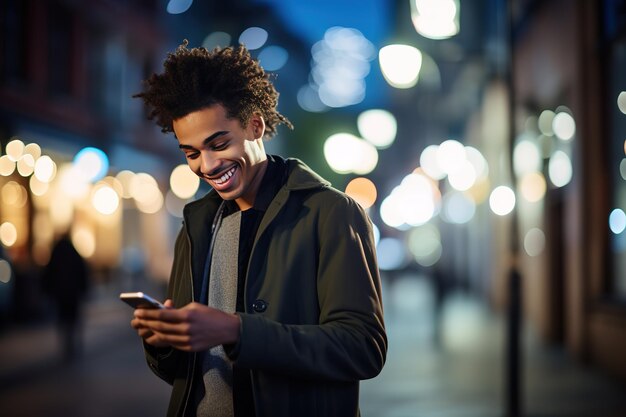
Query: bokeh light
x=526, y=157
x=435, y=19
x=8, y=234
x=430, y=164
x=5, y=271
x=184, y=182
x=178, y=6
x=391, y=254
x=617, y=221
x=15, y=149
x=560, y=169
x=33, y=149
x=545, y=122
x=104, y=199
x=363, y=191
x=424, y=243
x=400, y=65
x=346, y=153
x=216, y=39
x=533, y=186
x=378, y=127
x=7, y=165
x=534, y=242
x=45, y=169
x=564, y=126
x=253, y=38
x=273, y=58
x=502, y=200
x=26, y=165
x=621, y=102
x=457, y=208
x=84, y=241
x=92, y=163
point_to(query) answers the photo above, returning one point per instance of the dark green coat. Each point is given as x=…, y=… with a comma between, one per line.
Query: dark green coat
x=313, y=323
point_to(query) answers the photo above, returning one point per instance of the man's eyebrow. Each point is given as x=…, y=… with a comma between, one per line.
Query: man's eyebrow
x=207, y=140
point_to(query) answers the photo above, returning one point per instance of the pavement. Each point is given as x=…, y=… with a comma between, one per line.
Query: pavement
x=441, y=363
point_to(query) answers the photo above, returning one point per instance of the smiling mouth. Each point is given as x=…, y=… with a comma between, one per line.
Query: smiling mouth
x=224, y=177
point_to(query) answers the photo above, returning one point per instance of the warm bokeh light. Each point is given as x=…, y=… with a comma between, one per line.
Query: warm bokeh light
x=429, y=163
x=435, y=19
x=621, y=102
x=61, y=211
x=84, y=241
x=545, y=122
x=37, y=187
x=564, y=126
x=15, y=149
x=526, y=157
x=8, y=234
x=14, y=194
x=617, y=221
x=363, y=191
x=33, y=149
x=92, y=163
x=26, y=165
x=378, y=127
x=5, y=271
x=560, y=169
x=72, y=183
x=104, y=199
x=183, y=182
x=253, y=38
x=390, y=253
x=424, y=243
x=533, y=186
x=400, y=65
x=502, y=200
x=125, y=178
x=534, y=242
x=146, y=193
x=45, y=169
x=7, y=165
x=346, y=153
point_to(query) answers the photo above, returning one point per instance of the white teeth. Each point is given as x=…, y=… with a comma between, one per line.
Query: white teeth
x=225, y=177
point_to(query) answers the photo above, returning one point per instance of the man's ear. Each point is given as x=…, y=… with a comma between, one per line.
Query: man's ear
x=257, y=124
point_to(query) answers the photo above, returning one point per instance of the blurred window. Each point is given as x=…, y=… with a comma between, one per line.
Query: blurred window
x=13, y=39
x=60, y=48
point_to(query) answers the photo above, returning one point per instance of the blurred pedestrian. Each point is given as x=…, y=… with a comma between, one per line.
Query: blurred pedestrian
x=274, y=302
x=65, y=281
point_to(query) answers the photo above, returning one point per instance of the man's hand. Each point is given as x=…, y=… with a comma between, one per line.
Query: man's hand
x=192, y=328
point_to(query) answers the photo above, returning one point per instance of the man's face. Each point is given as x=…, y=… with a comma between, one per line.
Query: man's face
x=230, y=158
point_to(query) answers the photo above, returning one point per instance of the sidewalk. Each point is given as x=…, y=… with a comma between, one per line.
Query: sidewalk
x=461, y=375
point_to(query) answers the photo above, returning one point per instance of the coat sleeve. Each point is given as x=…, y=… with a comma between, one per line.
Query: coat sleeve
x=349, y=343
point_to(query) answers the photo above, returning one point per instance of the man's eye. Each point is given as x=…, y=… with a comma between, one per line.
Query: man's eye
x=191, y=155
x=219, y=146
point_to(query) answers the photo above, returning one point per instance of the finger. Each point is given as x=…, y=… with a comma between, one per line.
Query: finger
x=168, y=328
x=168, y=303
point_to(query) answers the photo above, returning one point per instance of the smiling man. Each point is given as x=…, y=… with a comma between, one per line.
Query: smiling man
x=274, y=304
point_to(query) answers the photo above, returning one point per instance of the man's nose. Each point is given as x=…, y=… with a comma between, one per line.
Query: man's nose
x=208, y=164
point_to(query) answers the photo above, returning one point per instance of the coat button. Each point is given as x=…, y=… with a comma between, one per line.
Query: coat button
x=259, y=306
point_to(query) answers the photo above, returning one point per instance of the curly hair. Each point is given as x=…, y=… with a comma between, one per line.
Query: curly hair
x=195, y=79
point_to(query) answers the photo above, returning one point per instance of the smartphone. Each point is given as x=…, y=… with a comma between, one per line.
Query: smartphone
x=140, y=300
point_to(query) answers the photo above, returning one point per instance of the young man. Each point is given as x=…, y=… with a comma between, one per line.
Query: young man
x=274, y=302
